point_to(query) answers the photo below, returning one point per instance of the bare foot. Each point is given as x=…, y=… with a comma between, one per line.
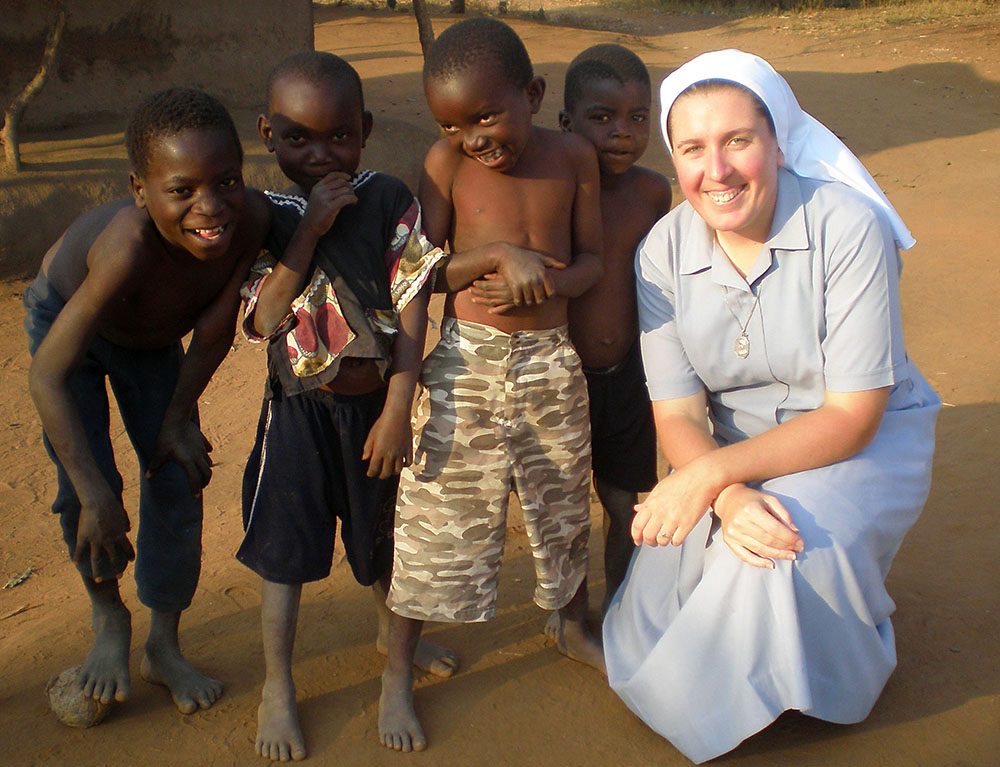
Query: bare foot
x=190, y=689
x=398, y=727
x=574, y=640
x=104, y=676
x=279, y=736
x=594, y=624
x=430, y=657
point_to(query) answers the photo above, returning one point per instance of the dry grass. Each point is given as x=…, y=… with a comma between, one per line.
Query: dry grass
x=810, y=15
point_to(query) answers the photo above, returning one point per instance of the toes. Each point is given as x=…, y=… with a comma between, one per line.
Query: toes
x=444, y=666
x=206, y=698
x=121, y=691
x=87, y=685
x=105, y=693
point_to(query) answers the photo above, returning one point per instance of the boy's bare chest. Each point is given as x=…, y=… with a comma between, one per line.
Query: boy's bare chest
x=525, y=211
x=164, y=303
x=627, y=218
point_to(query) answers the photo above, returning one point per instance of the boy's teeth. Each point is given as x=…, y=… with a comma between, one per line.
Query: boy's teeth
x=723, y=196
x=213, y=232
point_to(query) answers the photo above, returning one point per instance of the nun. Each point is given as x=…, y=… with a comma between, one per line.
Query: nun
x=799, y=433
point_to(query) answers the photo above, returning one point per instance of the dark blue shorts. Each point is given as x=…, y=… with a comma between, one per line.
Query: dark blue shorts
x=168, y=541
x=622, y=432
x=305, y=473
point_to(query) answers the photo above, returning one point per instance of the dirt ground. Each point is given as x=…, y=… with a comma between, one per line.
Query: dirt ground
x=920, y=104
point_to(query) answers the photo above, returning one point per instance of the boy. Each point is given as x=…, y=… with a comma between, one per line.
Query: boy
x=344, y=313
x=607, y=98
x=503, y=403
x=113, y=298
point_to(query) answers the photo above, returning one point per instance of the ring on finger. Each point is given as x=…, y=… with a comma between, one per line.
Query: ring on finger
x=664, y=534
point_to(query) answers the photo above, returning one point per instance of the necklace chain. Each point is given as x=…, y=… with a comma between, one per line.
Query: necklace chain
x=741, y=346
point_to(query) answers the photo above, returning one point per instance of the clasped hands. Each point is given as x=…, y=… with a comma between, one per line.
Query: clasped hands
x=755, y=525
x=523, y=278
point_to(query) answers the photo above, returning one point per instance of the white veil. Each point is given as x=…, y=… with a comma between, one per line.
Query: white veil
x=809, y=147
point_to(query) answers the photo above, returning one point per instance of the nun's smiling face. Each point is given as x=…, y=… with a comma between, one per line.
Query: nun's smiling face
x=727, y=160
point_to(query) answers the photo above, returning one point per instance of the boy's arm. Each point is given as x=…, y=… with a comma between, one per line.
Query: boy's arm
x=180, y=439
x=103, y=521
x=287, y=279
x=524, y=270
x=587, y=267
x=657, y=189
x=389, y=442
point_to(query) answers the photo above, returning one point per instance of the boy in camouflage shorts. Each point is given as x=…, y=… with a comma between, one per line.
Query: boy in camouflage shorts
x=497, y=411
x=503, y=404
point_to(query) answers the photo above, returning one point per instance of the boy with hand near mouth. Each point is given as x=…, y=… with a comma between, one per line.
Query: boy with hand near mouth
x=113, y=299
x=343, y=309
x=607, y=101
x=503, y=404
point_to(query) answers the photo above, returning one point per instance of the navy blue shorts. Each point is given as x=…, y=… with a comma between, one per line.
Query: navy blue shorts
x=168, y=539
x=305, y=472
x=622, y=432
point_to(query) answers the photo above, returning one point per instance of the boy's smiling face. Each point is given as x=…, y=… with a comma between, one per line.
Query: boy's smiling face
x=193, y=191
x=314, y=129
x=483, y=115
x=614, y=117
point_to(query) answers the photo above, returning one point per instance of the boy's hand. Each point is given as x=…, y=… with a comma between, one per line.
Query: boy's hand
x=493, y=291
x=524, y=271
x=103, y=527
x=330, y=194
x=389, y=444
x=187, y=446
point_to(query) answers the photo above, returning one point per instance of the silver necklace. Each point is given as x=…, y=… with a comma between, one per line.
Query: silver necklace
x=742, y=343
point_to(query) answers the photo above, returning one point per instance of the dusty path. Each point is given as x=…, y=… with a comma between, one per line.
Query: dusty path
x=920, y=104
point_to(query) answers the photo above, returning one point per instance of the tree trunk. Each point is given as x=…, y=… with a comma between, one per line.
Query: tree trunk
x=424, y=28
x=12, y=115
x=457, y=6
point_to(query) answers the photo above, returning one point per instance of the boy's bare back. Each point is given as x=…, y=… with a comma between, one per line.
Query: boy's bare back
x=603, y=321
x=547, y=204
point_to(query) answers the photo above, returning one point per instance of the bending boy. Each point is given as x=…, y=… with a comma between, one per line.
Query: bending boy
x=113, y=299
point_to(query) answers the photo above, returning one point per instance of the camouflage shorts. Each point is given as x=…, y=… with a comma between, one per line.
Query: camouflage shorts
x=497, y=412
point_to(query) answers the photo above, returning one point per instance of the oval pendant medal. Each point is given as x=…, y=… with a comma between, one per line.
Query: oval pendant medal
x=742, y=346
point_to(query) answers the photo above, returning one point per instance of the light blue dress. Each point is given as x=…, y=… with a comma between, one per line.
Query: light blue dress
x=706, y=649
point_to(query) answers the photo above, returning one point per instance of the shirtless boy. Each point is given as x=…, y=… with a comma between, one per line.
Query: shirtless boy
x=503, y=404
x=607, y=99
x=113, y=299
x=343, y=308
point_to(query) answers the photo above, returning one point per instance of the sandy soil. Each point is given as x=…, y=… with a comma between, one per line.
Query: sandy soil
x=920, y=104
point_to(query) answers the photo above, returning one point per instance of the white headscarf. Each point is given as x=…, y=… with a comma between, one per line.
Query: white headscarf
x=810, y=148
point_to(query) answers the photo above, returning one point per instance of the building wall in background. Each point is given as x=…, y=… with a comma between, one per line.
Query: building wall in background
x=116, y=52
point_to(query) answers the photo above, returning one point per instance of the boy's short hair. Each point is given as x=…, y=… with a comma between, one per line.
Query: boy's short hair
x=476, y=41
x=173, y=111
x=606, y=61
x=317, y=68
